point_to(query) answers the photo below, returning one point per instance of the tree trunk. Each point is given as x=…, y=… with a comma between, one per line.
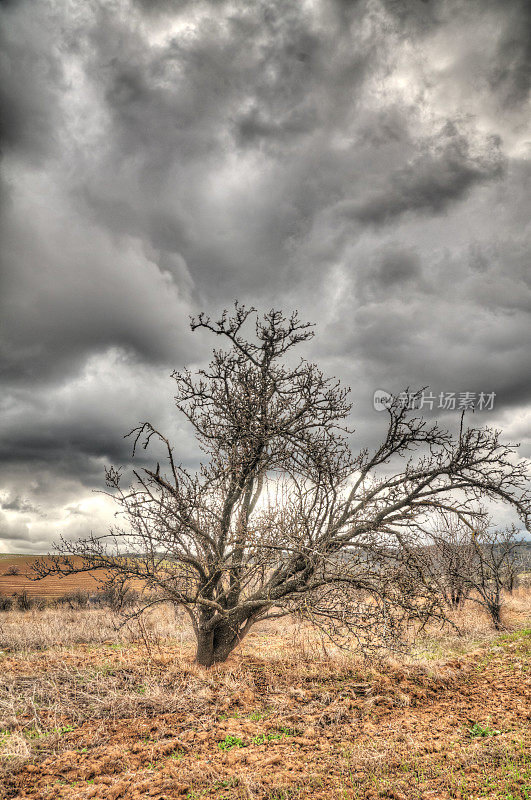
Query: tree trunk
x=215, y=646
x=495, y=612
x=455, y=599
x=204, y=653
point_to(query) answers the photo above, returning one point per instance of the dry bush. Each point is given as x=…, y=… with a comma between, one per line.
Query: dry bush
x=52, y=627
x=15, y=749
x=6, y=603
x=12, y=570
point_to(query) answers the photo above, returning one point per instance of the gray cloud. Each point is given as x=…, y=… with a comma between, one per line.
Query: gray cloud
x=13, y=531
x=18, y=504
x=510, y=75
x=31, y=84
x=364, y=162
x=443, y=173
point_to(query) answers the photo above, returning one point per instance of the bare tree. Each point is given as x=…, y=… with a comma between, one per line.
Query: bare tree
x=469, y=559
x=450, y=557
x=281, y=517
x=495, y=567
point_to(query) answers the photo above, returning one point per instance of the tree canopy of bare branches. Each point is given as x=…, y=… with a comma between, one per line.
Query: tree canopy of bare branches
x=450, y=557
x=470, y=558
x=494, y=567
x=281, y=516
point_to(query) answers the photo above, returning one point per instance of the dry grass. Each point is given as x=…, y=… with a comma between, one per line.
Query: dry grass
x=474, y=627
x=61, y=627
x=85, y=664
x=78, y=692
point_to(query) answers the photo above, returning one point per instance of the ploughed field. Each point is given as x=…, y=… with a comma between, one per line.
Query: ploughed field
x=15, y=573
x=92, y=710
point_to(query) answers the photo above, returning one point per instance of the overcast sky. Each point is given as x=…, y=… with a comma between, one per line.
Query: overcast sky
x=365, y=162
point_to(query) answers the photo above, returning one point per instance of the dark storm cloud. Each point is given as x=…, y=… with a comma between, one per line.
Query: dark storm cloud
x=443, y=172
x=398, y=267
x=60, y=304
x=366, y=162
x=19, y=504
x=510, y=74
x=31, y=85
x=259, y=81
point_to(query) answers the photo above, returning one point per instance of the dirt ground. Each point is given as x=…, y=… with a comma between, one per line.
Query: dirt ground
x=140, y=720
x=15, y=571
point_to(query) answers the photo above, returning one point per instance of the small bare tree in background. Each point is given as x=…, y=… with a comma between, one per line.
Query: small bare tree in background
x=282, y=517
x=451, y=557
x=471, y=559
x=495, y=563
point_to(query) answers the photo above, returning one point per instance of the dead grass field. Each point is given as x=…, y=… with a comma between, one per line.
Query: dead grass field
x=90, y=710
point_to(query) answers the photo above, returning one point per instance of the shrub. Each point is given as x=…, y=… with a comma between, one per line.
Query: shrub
x=6, y=603
x=23, y=601
x=76, y=599
x=115, y=597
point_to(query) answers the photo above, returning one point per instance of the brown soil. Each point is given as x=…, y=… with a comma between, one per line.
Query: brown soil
x=460, y=728
x=49, y=587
